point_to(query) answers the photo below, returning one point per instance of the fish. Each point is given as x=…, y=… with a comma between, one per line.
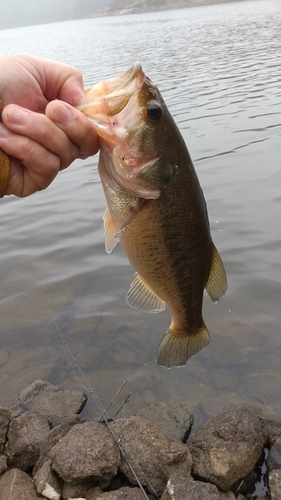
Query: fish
x=155, y=209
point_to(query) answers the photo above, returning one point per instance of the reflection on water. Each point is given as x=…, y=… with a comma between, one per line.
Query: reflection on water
x=219, y=71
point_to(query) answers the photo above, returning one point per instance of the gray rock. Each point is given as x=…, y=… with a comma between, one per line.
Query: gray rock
x=55, y=403
x=46, y=482
x=227, y=447
x=269, y=420
x=55, y=435
x=186, y=489
x=25, y=436
x=273, y=460
x=122, y=494
x=173, y=417
x=153, y=455
x=93, y=493
x=5, y=415
x=17, y=485
x=88, y=451
x=272, y=429
x=3, y=464
x=74, y=491
x=274, y=483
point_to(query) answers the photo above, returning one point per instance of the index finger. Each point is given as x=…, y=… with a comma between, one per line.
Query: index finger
x=75, y=125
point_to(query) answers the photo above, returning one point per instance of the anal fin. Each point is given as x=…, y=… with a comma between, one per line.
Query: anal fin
x=140, y=296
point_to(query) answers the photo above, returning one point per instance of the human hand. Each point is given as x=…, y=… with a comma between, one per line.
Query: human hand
x=41, y=131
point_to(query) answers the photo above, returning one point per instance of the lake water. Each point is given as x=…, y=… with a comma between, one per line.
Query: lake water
x=218, y=68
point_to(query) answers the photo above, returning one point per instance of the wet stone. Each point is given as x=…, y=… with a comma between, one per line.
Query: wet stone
x=17, y=485
x=153, y=455
x=173, y=417
x=186, y=489
x=5, y=415
x=55, y=403
x=88, y=451
x=227, y=447
x=25, y=436
x=274, y=483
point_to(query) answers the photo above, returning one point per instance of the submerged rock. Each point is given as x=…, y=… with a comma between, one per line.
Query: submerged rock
x=153, y=455
x=55, y=403
x=227, y=447
x=173, y=417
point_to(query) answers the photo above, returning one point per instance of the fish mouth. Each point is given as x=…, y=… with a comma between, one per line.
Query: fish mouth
x=110, y=97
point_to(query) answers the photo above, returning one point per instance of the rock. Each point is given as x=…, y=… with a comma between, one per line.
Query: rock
x=5, y=415
x=25, y=436
x=173, y=417
x=93, y=493
x=17, y=485
x=3, y=464
x=88, y=451
x=227, y=447
x=269, y=420
x=153, y=455
x=122, y=494
x=55, y=435
x=55, y=403
x=186, y=489
x=273, y=460
x=46, y=483
x=274, y=483
x=74, y=491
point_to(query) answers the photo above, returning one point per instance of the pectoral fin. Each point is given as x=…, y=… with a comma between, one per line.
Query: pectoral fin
x=217, y=282
x=140, y=296
x=110, y=230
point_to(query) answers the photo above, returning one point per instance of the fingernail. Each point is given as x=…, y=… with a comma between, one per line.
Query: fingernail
x=18, y=116
x=61, y=114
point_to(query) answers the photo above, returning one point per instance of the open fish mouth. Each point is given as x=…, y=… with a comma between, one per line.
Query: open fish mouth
x=110, y=97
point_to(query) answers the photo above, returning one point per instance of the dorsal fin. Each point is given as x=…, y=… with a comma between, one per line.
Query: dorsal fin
x=217, y=282
x=140, y=296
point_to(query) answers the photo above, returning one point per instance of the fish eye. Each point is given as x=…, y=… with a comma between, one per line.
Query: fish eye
x=153, y=111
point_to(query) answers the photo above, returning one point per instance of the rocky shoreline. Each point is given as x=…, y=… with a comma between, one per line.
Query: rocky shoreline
x=47, y=450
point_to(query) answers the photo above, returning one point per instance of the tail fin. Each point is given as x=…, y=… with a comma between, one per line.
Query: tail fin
x=175, y=349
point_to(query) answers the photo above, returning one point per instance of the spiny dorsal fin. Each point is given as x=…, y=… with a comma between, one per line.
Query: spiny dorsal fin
x=140, y=296
x=110, y=230
x=217, y=282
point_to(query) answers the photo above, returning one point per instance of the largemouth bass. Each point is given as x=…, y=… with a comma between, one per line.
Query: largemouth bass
x=156, y=209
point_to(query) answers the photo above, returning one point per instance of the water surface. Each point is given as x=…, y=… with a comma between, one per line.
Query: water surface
x=218, y=68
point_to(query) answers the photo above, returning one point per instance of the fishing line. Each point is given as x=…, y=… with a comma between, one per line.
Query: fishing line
x=86, y=384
